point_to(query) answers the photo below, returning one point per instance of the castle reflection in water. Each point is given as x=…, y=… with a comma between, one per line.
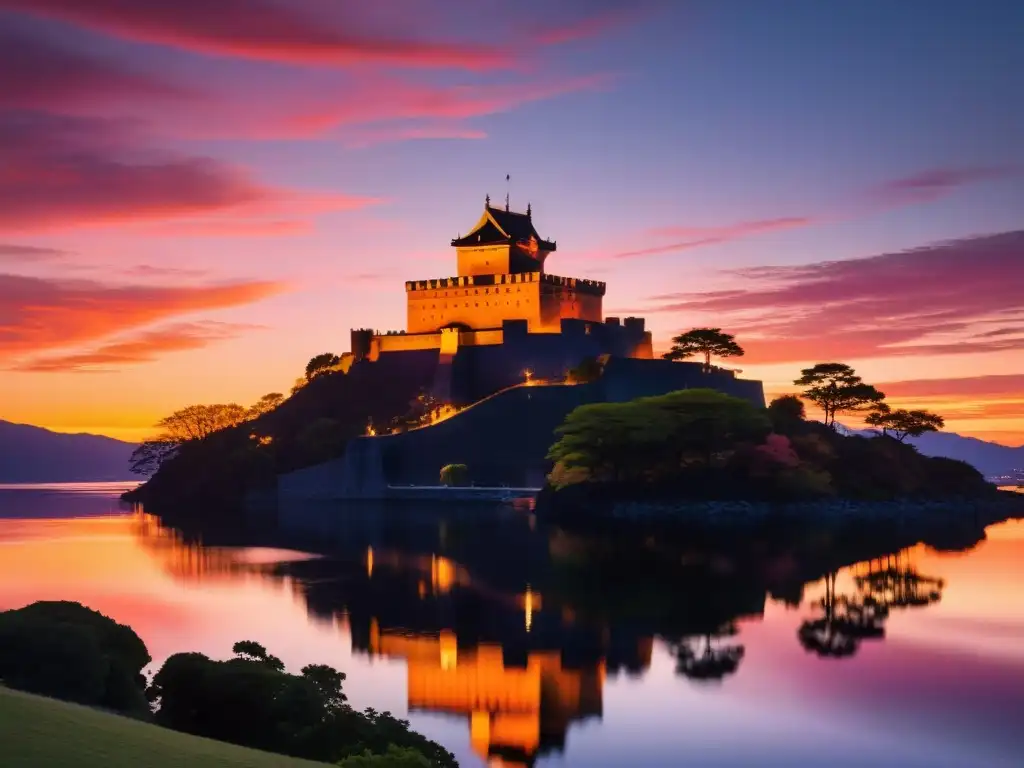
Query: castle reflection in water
x=516, y=629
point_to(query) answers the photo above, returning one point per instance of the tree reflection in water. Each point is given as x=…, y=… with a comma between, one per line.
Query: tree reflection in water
x=883, y=584
x=697, y=658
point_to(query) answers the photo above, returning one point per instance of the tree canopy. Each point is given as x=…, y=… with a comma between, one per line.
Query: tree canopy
x=709, y=342
x=321, y=364
x=654, y=437
x=265, y=404
x=836, y=388
x=901, y=423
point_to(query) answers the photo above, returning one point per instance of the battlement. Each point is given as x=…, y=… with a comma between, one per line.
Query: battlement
x=583, y=285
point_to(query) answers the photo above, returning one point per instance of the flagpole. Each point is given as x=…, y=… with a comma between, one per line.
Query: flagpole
x=508, y=189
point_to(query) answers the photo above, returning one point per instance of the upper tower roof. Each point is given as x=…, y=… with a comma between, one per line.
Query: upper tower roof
x=497, y=225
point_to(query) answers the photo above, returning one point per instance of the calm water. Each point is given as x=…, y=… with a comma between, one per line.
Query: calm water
x=514, y=646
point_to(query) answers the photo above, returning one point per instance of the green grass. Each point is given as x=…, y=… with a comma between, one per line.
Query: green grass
x=45, y=733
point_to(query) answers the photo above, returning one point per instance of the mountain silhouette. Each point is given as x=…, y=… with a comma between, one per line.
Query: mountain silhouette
x=35, y=455
x=993, y=460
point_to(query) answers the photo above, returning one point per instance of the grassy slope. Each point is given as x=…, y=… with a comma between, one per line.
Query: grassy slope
x=37, y=732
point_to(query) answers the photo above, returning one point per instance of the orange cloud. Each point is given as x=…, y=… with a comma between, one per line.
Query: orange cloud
x=39, y=314
x=1007, y=384
x=142, y=347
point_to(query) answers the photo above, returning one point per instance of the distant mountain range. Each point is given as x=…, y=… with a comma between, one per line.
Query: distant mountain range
x=34, y=455
x=991, y=459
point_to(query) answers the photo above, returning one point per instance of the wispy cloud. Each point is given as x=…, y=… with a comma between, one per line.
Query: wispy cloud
x=1002, y=385
x=59, y=172
x=48, y=75
x=38, y=315
x=142, y=347
x=935, y=183
x=12, y=252
x=925, y=301
x=685, y=238
x=267, y=31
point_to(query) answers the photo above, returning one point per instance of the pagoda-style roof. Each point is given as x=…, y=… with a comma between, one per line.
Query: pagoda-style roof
x=497, y=225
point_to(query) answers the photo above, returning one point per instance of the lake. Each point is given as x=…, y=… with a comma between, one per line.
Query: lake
x=513, y=645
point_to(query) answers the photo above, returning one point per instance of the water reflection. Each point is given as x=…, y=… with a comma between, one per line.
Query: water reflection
x=517, y=645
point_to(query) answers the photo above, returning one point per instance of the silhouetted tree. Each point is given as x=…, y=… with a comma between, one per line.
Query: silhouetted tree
x=707, y=661
x=901, y=423
x=843, y=624
x=836, y=388
x=589, y=369
x=266, y=404
x=709, y=342
x=250, y=650
x=786, y=412
x=149, y=455
x=321, y=364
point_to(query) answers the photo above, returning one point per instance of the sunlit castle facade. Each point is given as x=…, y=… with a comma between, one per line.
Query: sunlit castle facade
x=503, y=298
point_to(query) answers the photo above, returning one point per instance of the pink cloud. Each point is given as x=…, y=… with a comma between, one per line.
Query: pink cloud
x=387, y=99
x=697, y=237
x=58, y=172
x=386, y=135
x=229, y=228
x=142, y=347
x=936, y=183
x=11, y=252
x=149, y=270
x=268, y=31
x=591, y=26
x=39, y=314
x=925, y=301
x=49, y=76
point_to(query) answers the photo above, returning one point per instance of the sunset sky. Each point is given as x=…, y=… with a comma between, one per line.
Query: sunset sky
x=197, y=196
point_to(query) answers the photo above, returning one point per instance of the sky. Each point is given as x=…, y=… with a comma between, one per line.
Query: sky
x=197, y=197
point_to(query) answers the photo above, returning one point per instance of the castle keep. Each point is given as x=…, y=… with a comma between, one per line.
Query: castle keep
x=503, y=315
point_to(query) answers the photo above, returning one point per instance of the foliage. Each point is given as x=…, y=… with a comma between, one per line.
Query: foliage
x=901, y=423
x=655, y=438
x=250, y=650
x=454, y=475
x=320, y=440
x=251, y=701
x=321, y=364
x=395, y=757
x=786, y=413
x=37, y=731
x=147, y=458
x=67, y=651
x=836, y=388
x=265, y=404
x=709, y=342
x=194, y=422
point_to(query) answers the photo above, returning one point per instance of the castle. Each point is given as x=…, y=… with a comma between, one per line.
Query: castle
x=503, y=316
x=502, y=321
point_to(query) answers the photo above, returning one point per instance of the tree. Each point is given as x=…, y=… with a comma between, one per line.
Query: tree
x=321, y=364
x=329, y=682
x=786, y=413
x=455, y=475
x=654, y=438
x=587, y=370
x=902, y=423
x=266, y=404
x=148, y=456
x=194, y=422
x=250, y=650
x=710, y=342
x=836, y=388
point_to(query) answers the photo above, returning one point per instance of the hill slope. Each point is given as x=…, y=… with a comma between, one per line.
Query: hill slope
x=34, y=455
x=43, y=732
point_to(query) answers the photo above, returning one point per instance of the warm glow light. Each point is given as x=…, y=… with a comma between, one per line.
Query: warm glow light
x=369, y=562
x=528, y=606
